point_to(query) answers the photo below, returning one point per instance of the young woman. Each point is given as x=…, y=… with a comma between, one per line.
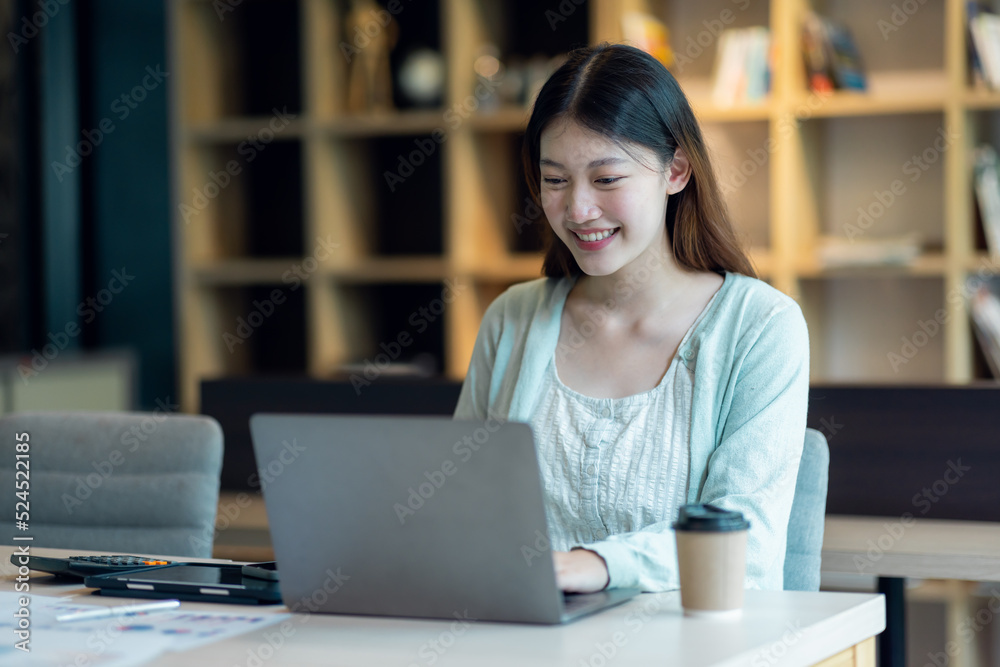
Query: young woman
x=653, y=366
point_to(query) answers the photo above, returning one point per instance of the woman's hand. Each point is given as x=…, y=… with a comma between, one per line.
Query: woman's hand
x=580, y=571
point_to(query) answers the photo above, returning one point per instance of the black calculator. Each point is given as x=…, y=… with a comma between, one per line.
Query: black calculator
x=86, y=566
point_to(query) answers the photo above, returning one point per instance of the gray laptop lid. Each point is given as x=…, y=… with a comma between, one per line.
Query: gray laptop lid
x=409, y=516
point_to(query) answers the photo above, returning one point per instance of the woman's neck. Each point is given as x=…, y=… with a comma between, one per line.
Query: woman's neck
x=647, y=285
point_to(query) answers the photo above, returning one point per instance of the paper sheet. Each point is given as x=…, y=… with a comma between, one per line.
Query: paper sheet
x=116, y=642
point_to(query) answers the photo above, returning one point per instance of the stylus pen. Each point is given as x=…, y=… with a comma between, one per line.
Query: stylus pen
x=121, y=610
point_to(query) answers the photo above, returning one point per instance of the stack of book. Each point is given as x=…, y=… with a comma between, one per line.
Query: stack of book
x=831, y=55
x=836, y=252
x=742, y=67
x=986, y=317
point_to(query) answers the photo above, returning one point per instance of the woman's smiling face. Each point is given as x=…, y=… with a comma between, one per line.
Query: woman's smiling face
x=608, y=207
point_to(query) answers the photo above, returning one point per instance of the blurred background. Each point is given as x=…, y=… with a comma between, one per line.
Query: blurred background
x=237, y=188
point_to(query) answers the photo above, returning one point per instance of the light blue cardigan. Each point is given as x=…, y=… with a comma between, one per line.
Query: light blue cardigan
x=750, y=358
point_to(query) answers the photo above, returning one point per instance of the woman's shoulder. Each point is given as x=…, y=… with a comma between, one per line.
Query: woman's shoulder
x=525, y=300
x=748, y=296
x=749, y=308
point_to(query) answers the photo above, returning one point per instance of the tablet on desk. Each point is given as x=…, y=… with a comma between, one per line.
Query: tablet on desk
x=197, y=582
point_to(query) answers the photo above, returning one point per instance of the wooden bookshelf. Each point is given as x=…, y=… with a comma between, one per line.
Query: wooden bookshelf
x=311, y=217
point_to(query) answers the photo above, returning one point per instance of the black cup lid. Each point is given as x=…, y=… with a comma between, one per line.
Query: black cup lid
x=709, y=518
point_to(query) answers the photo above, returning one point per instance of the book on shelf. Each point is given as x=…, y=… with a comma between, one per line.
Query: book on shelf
x=984, y=30
x=832, y=58
x=836, y=252
x=742, y=66
x=987, y=181
x=985, y=308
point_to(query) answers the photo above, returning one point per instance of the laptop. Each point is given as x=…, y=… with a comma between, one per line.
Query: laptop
x=423, y=517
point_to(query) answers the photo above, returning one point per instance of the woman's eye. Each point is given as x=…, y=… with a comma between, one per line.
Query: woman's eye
x=552, y=181
x=609, y=180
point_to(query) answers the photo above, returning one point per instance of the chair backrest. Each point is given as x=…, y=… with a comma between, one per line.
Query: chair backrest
x=805, y=525
x=144, y=483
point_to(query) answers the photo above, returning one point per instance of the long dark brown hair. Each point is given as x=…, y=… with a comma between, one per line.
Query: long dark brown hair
x=626, y=95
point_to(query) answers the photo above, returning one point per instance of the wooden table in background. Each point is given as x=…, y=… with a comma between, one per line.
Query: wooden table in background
x=893, y=549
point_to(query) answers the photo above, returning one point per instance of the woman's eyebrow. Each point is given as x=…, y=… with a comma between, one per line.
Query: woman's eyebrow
x=545, y=162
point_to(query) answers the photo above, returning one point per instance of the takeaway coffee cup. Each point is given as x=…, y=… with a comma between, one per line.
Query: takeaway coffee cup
x=711, y=556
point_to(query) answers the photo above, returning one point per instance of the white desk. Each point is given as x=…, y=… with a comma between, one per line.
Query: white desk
x=776, y=628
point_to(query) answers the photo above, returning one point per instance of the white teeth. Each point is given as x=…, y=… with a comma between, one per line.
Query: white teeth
x=597, y=236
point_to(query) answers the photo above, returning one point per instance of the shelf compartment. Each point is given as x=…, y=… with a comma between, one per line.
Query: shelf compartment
x=525, y=37
x=380, y=316
x=238, y=201
x=858, y=198
x=742, y=162
x=489, y=203
x=905, y=66
x=379, y=197
x=244, y=62
x=868, y=329
x=255, y=329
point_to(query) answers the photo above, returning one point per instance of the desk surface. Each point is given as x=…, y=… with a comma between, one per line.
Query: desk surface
x=776, y=628
x=912, y=547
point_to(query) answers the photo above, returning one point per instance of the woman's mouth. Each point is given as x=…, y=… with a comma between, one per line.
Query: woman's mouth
x=595, y=240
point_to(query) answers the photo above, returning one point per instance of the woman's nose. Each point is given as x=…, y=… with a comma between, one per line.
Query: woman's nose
x=580, y=205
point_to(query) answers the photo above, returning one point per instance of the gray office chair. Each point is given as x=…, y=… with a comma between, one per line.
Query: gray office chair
x=805, y=525
x=112, y=482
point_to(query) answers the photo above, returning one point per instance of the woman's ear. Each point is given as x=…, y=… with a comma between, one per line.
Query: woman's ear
x=678, y=172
